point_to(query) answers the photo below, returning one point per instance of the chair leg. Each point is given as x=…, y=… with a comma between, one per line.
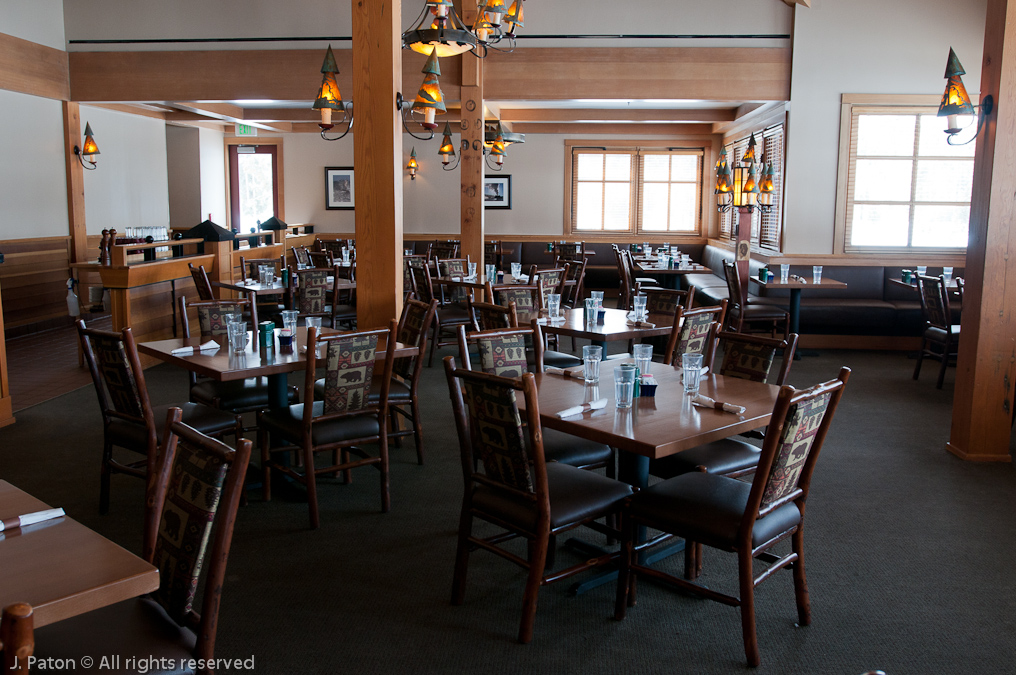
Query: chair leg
x=107, y=455
x=433, y=342
x=462, y=557
x=920, y=358
x=747, y=584
x=386, y=497
x=266, y=470
x=624, y=597
x=537, y=561
x=310, y=478
x=690, y=560
x=417, y=430
x=945, y=364
x=393, y=422
x=800, y=581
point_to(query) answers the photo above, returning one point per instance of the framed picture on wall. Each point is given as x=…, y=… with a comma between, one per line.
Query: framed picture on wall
x=340, y=187
x=497, y=192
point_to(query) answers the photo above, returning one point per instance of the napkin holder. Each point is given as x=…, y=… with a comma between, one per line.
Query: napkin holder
x=647, y=389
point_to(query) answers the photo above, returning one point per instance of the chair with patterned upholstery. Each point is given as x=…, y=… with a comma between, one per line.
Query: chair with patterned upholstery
x=409, y=263
x=344, y=420
x=744, y=518
x=747, y=357
x=321, y=259
x=17, y=637
x=301, y=254
x=452, y=268
x=128, y=419
x=235, y=396
x=691, y=331
x=939, y=329
x=201, y=282
x=192, y=504
x=551, y=281
x=660, y=303
x=743, y=314
x=251, y=267
x=510, y=484
x=311, y=290
x=506, y=353
x=527, y=308
x=447, y=318
x=488, y=316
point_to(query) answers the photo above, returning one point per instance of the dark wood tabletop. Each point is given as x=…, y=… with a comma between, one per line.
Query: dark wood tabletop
x=614, y=327
x=803, y=283
x=225, y=366
x=275, y=288
x=659, y=426
x=651, y=266
x=61, y=567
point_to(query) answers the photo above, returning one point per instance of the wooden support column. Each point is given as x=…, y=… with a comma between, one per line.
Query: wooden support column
x=472, y=163
x=983, y=401
x=6, y=406
x=377, y=159
x=75, y=182
x=742, y=254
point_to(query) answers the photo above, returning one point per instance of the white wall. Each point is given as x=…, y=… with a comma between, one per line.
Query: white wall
x=39, y=21
x=183, y=176
x=213, y=176
x=33, y=183
x=305, y=157
x=130, y=187
x=861, y=47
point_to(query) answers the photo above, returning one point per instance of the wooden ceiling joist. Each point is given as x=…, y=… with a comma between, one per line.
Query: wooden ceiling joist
x=616, y=115
x=639, y=129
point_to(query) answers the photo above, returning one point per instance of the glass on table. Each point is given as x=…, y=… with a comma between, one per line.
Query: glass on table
x=471, y=269
x=816, y=274
x=590, y=310
x=640, y=306
x=516, y=270
x=237, y=332
x=490, y=271
x=598, y=297
x=289, y=318
x=784, y=273
x=591, y=357
x=408, y=251
x=691, y=364
x=624, y=385
x=922, y=270
x=554, y=305
x=643, y=358
x=314, y=322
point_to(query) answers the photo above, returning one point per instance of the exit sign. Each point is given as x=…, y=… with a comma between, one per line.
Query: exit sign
x=246, y=130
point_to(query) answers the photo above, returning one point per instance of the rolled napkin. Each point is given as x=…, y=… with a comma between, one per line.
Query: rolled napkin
x=578, y=372
x=706, y=402
x=584, y=408
x=210, y=346
x=29, y=519
x=641, y=324
x=522, y=279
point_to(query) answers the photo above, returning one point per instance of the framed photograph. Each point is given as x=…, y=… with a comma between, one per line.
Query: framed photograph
x=340, y=187
x=497, y=192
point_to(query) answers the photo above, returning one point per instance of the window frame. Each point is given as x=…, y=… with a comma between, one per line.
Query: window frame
x=851, y=107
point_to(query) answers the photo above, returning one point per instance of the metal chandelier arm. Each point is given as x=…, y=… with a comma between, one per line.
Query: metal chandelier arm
x=404, y=107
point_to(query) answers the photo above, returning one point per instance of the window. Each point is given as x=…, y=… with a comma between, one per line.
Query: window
x=766, y=228
x=254, y=183
x=636, y=190
x=906, y=188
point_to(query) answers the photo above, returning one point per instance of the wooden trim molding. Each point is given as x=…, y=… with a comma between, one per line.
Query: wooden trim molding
x=35, y=69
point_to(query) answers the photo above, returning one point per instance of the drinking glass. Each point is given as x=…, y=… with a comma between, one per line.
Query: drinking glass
x=784, y=273
x=640, y=307
x=591, y=357
x=685, y=259
x=345, y=256
x=664, y=261
x=314, y=321
x=491, y=272
x=262, y=271
x=554, y=305
x=624, y=385
x=231, y=318
x=269, y=274
x=692, y=366
x=590, y=310
x=947, y=274
x=816, y=274
x=598, y=297
x=516, y=270
x=645, y=247
x=289, y=317
x=471, y=269
x=643, y=357
x=237, y=331
x=922, y=270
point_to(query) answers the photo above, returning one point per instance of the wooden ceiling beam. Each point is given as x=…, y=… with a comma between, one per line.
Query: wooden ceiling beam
x=31, y=68
x=613, y=129
x=616, y=115
x=135, y=110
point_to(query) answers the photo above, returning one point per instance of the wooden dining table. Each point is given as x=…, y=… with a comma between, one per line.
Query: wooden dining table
x=651, y=267
x=615, y=326
x=62, y=568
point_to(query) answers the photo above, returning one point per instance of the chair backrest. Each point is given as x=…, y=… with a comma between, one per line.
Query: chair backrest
x=251, y=266
x=570, y=250
x=690, y=334
x=454, y=267
x=302, y=256
x=416, y=319
x=751, y=357
x=526, y=299
x=488, y=316
x=502, y=352
x=201, y=282
x=17, y=637
x=410, y=262
x=116, y=371
x=666, y=301
x=797, y=430
x=349, y=370
x=312, y=293
x=492, y=253
x=625, y=290
x=572, y=294
x=442, y=250
x=959, y=288
x=422, y=285
x=935, y=302
x=735, y=296
x=212, y=314
x=193, y=497
x=551, y=281
x=493, y=437
x=321, y=259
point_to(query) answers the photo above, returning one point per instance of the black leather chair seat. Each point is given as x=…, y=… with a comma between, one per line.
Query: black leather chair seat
x=398, y=392
x=288, y=422
x=137, y=628
x=939, y=335
x=724, y=456
x=760, y=312
x=238, y=395
x=567, y=449
x=575, y=494
x=707, y=508
x=204, y=418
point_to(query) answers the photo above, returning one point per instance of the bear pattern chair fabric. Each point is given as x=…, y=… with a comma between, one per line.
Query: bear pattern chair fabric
x=799, y=433
x=212, y=319
x=313, y=293
x=348, y=373
x=748, y=361
x=503, y=355
x=497, y=434
x=117, y=376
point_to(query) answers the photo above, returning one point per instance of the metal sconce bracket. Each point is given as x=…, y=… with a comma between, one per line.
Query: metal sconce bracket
x=89, y=166
x=403, y=107
x=345, y=115
x=984, y=109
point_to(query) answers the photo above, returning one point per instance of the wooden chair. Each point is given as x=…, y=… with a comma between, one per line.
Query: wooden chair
x=128, y=419
x=488, y=316
x=17, y=637
x=250, y=267
x=410, y=262
x=551, y=281
x=517, y=490
x=192, y=503
x=453, y=267
x=742, y=313
x=237, y=396
x=959, y=288
x=662, y=302
x=321, y=259
x=626, y=274
x=731, y=515
x=574, y=286
x=526, y=299
x=446, y=319
x=749, y=357
x=492, y=254
x=939, y=329
x=311, y=290
x=343, y=421
x=691, y=331
x=444, y=250
x=302, y=256
x=201, y=282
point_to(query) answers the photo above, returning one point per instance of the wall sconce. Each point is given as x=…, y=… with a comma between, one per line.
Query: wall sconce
x=496, y=141
x=329, y=98
x=496, y=151
x=740, y=187
x=447, y=150
x=87, y=152
x=429, y=100
x=956, y=102
x=413, y=165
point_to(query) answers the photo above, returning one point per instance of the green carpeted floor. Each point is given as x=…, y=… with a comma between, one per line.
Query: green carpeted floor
x=909, y=553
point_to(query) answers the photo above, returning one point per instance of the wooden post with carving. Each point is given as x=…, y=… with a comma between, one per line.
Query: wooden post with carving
x=472, y=163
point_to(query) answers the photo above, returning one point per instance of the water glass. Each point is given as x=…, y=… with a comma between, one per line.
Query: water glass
x=408, y=251
x=646, y=249
x=345, y=256
x=516, y=270
x=491, y=272
x=314, y=322
x=262, y=270
x=598, y=297
x=922, y=270
x=685, y=259
x=816, y=274
x=624, y=385
x=289, y=317
x=692, y=366
x=664, y=261
x=471, y=269
x=237, y=331
x=640, y=307
x=591, y=357
x=554, y=305
x=947, y=274
x=784, y=273
x=590, y=310
x=643, y=358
